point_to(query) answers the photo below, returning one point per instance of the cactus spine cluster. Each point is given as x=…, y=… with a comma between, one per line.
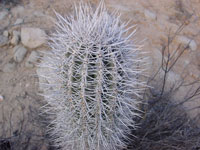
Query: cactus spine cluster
x=92, y=80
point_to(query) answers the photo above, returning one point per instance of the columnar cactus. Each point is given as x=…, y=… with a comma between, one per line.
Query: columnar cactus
x=92, y=80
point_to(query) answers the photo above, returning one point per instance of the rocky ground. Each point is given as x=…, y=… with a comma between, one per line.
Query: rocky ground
x=24, y=25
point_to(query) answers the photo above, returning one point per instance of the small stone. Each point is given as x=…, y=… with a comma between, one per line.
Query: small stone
x=3, y=14
x=18, y=21
x=32, y=59
x=6, y=33
x=9, y=67
x=186, y=62
x=185, y=41
x=3, y=40
x=150, y=14
x=19, y=53
x=32, y=37
x=38, y=14
x=18, y=10
x=16, y=38
x=193, y=45
x=1, y=98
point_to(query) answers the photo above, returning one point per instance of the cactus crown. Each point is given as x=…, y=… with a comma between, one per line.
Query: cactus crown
x=92, y=74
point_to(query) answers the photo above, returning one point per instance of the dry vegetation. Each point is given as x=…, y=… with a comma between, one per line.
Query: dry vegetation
x=165, y=125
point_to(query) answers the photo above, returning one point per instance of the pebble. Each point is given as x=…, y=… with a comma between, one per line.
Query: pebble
x=9, y=67
x=193, y=45
x=16, y=38
x=18, y=10
x=39, y=14
x=19, y=53
x=32, y=37
x=32, y=59
x=150, y=14
x=3, y=14
x=185, y=40
x=18, y=21
x=3, y=40
x=6, y=33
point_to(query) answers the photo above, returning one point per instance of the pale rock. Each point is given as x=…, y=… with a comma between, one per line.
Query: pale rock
x=15, y=38
x=3, y=40
x=186, y=62
x=32, y=59
x=150, y=14
x=9, y=67
x=39, y=14
x=18, y=21
x=3, y=14
x=32, y=37
x=193, y=45
x=185, y=41
x=6, y=33
x=19, y=53
x=18, y=10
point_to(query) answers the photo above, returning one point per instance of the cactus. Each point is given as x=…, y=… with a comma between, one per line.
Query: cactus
x=92, y=79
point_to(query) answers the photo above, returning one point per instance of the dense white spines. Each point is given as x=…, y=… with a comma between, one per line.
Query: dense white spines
x=92, y=73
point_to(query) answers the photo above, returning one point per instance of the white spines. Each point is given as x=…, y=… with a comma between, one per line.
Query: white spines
x=92, y=73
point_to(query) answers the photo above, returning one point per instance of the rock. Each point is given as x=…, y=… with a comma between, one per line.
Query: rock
x=6, y=33
x=3, y=14
x=186, y=63
x=16, y=38
x=150, y=14
x=3, y=40
x=193, y=45
x=9, y=67
x=32, y=59
x=185, y=41
x=18, y=21
x=18, y=10
x=1, y=98
x=32, y=37
x=19, y=53
x=39, y=14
